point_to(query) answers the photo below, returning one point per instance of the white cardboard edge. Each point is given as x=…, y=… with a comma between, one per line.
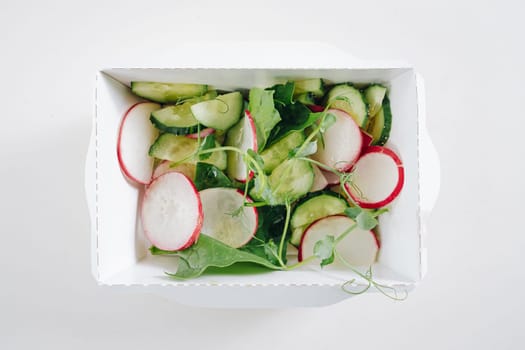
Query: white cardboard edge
x=429, y=177
x=429, y=187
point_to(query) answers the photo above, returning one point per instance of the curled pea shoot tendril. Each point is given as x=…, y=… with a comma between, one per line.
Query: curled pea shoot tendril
x=387, y=291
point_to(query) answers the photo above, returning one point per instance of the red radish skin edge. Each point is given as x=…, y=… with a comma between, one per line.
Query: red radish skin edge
x=300, y=253
x=255, y=146
x=400, y=180
x=316, y=108
x=119, y=155
x=367, y=141
x=204, y=133
x=200, y=220
x=248, y=199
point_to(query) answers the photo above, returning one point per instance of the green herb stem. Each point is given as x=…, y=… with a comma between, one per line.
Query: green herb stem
x=285, y=229
x=301, y=263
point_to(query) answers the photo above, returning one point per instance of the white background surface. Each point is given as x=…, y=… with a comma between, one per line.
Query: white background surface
x=472, y=58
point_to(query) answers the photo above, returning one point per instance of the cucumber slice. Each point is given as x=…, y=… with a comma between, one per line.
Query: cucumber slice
x=320, y=205
x=374, y=95
x=291, y=180
x=307, y=98
x=167, y=92
x=177, y=148
x=315, y=86
x=381, y=124
x=177, y=119
x=279, y=151
x=347, y=98
x=221, y=113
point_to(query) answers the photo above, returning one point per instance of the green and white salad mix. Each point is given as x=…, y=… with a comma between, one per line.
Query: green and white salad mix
x=243, y=176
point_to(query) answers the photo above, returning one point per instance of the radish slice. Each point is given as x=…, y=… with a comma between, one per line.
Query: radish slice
x=220, y=220
x=244, y=137
x=136, y=134
x=378, y=176
x=330, y=177
x=359, y=247
x=204, y=133
x=164, y=167
x=319, y=180
x=342, y=142
x=171, y=212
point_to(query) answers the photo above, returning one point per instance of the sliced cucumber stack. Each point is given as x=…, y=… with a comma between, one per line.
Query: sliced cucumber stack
x=178, y=148
x=350, y=100
x=167, y=92
x=314, y=207
x=220, y=113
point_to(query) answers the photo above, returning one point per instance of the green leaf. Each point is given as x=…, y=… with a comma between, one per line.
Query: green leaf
x=365, y=220
x=295, y=117
x=208, y=252
x=271, y=220
x=353, y=212
x=310, y=149
x=327, y=122
x=208, y=175
x=208, y=143
x=264, y=114
x=284, y=93
x=257, y=158
x=324, y=250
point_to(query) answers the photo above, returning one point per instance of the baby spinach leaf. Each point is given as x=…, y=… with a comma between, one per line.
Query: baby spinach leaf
x=269, y=230
x=209, y=252
x=264, y=114
x=295, y=117
x=208, y=143
x=283, y=93
x=208, y=175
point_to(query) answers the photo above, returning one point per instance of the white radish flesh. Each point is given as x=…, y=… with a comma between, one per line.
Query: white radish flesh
x=358, y=248
x=243, y=138
x=221, y=219
x=136, y=134
x=171, y=212
x=378, y=178
x=319, y=180
x=342, y=142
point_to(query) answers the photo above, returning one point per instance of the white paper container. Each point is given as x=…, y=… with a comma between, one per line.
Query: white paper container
x=120, y=256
